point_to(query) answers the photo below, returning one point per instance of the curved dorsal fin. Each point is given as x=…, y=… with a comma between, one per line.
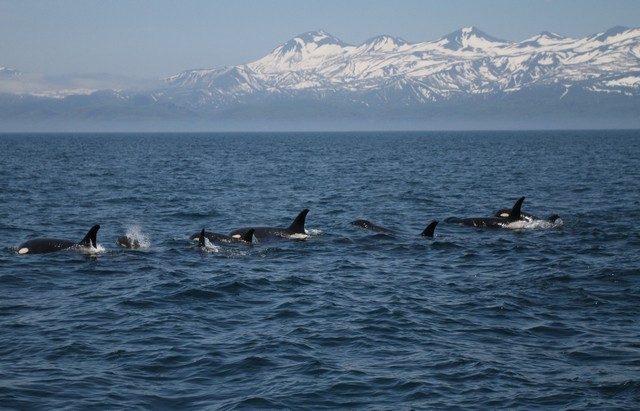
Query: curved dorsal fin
x=514, y=215
x=428, y=232
x=89, y=240
x=298, y=224
x=248, y=236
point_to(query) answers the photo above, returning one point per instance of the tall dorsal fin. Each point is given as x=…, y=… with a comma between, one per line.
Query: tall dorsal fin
x=89, y=240
x=428, y=232
x=248, y=236
x=514, y=215
x=201, y=239
x=298, y=224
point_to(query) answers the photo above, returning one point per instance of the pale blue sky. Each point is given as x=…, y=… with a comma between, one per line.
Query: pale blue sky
x=158, y=38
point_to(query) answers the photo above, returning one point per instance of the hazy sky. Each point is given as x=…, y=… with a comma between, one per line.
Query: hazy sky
x=158, y=38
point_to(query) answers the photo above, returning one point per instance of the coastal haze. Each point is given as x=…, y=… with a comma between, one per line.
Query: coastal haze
x=466, y=79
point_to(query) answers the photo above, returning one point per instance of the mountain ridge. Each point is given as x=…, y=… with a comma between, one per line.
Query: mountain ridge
x=330, y=64
x=387, y=77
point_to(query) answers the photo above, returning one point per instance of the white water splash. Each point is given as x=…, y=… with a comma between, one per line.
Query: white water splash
x=534, y=224
x=135, y=233
x=313, y=232
x=98, y=249
x=209, y=247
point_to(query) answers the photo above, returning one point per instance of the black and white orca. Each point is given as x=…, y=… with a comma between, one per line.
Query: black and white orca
x=512, y=220
x=222, y=238
x=128, y=242
x=427, y=232
x=48, y=245
x=294, y=231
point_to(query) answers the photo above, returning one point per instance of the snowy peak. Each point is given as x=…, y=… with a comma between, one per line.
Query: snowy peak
x=543, y=39
x=612, y=34
x=308, y=42
x=320, y=38
x=301, y=51
x=384, y=43
x=469, y=39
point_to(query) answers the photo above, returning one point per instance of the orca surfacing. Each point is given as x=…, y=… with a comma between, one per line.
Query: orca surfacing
x=222, y=238
x=49, y=245
x=366, y=224
x=493, y=222
x=128, y=242
x=294, y=231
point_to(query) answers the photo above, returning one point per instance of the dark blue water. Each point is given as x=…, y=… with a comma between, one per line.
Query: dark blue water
x=541, y=318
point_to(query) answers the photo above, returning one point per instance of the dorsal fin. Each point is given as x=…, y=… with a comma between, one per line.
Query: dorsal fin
x=201, y=240
x=428, y=232
x=89, y=240
x=514, y=215
x=298, y=224
x=248, y=236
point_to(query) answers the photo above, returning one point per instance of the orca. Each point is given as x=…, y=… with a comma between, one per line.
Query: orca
x=427, y=232
x=510, y=221
x=48, y=245
x=128, y=242
x=222, y=238
x=366, y=224
x=529, y=218
x=294, y=231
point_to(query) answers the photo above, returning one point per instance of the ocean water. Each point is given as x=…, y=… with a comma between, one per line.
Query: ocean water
x=545, y=317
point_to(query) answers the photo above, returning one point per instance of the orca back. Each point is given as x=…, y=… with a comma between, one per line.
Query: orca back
x=366, y=224
x=44, y=245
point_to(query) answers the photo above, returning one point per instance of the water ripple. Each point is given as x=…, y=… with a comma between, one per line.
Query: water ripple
x=541, y=318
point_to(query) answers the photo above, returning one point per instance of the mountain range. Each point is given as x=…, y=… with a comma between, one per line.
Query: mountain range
x=466, y=79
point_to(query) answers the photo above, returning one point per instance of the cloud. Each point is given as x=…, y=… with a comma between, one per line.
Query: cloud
x=31, y=83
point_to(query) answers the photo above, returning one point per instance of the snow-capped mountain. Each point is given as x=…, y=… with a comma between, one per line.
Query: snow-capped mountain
x=463, y=63
x=465, y=79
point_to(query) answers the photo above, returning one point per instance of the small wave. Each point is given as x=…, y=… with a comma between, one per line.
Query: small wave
x=620, y=387
x=444, y=245
x=196, y=293
x=554, y=330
